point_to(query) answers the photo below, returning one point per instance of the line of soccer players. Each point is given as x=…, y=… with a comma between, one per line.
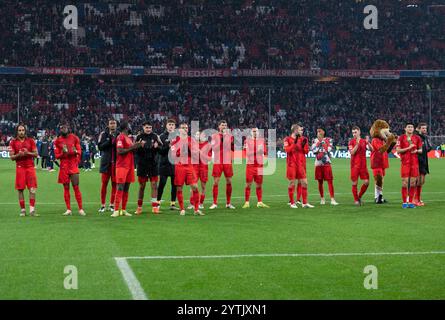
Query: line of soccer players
x=184, y=159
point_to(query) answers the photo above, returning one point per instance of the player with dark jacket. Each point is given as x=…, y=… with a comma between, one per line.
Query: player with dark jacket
x=166, y=168
x=422, y=131
x=107, y=148
x=147, y=166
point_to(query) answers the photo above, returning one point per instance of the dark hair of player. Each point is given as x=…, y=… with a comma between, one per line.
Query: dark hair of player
x=124, y=126
x=21, y=124
x=147, y=123
x=422, y=124
x=221, y=122
x=409, y=124
x=171, y=121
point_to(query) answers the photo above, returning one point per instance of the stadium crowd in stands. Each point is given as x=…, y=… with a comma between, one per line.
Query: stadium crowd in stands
x=336, y=106
x=296, y=34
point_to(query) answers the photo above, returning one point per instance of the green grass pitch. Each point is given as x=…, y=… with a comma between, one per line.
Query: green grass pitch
x=35, y=251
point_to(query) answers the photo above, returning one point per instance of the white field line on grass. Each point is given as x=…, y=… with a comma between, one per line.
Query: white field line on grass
x=138, y=293
x=238, y=197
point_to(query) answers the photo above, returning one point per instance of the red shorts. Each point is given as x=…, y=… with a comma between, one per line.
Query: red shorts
x=124, y=175
x=361, y=172
x=323, y=173
x=254, y=173
x=25, y=178
x=202, y=172
x=409, y=171
x=185, y=174
x=296, y=172
x=378, y=172
x=145, y=179
x=218, y=169
x=110, y=174
x=66, y=172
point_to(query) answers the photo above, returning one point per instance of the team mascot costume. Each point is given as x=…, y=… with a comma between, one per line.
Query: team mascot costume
x=383, y=141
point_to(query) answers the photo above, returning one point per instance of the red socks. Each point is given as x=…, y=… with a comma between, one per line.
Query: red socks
x=412, y=192
x=304, y=194
x=202, y=197
x=320, y=188
x=124, y=200
x=404, y=194
x=418, y=194
x=228, y=192
x=355, y=192
x=247, y=194
x=331, y=188
x=299, y=188
x=195, y=196
x=22, y=203
x=291, y=191
x=67, y=196
x=363, y=190
x=259, y=194
x=103, y=193
x=139, y=203
x=118, y=199
x=180, y=197
x=32, y=202
x=113, y=192
x=78, y=196
x=215, y=194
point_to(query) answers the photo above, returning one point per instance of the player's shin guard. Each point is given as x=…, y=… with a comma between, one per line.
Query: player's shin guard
x=180, y=197
x=259, y=193
x=412, y=192
x=78, y=196
x=118, y=199
x=404, y=194
x=355, y=192
x=67, y=196
x=247, y=193
x=124, y=200
x=291, y=191
x=299, y=189
x=215, y=194
x=331, y=188
x=363, y=189
x=304, y=194
x=113, y=192
x=321, y=188
x=195, y=196
x=228, y=192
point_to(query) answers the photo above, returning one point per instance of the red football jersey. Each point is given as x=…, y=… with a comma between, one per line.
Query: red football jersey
x=72, y=144
x=408, y=158
x=223, y=145
x=16, y=146
x=124, y=160
x=359, y=158
x=296, y=150
x=205, y=152
x=378, y=160
x=255, y=151
x=182, y=151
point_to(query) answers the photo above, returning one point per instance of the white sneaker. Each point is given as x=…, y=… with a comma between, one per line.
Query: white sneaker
x=334, y=203
x=102, y=209
x=230, y=206
x=111, y=208
x=308, y=205
x=294, y=206
x=23, y=213
x=115, y=214
x=190, y=207
x=213, y=206
x=82, y=213
x=125, y=213
x=182, y=213
x=68, y=213
x=298, y=202
x=322, y=201
x=198, y=213
x=201, y=206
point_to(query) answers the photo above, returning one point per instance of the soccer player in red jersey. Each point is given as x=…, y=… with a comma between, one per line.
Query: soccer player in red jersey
x=359, y=169
x=255, y=147
x=182, y=150
x=200, y=163
x=67, y=149
x=23, y=150
x=107, y=147
x=124, y=169
x=297, y=146
x=408, y=147
x=223, y=145
x=321, y=147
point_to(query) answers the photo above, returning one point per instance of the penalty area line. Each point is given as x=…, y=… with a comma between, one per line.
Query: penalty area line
x=130, y=279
